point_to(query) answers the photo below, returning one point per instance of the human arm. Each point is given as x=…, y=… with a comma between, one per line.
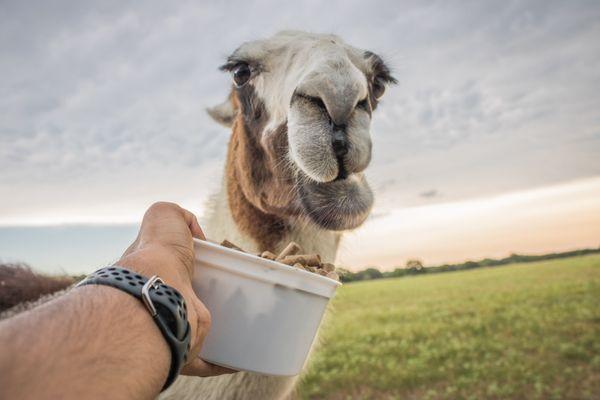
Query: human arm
x=99, y=342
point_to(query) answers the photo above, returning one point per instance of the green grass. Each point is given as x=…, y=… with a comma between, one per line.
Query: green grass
x=529, y=331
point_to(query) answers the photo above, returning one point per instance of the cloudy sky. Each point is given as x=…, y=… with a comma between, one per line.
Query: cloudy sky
x=101, y=113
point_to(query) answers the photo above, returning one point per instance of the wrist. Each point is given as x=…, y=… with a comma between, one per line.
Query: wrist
x=137, y=322
x=158, y=260
x=164, y=303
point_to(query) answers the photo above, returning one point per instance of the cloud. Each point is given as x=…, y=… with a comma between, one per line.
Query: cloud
x=104, y=103
x=428, y=194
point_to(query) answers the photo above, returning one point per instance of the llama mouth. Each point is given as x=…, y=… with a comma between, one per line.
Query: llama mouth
x=338, y=205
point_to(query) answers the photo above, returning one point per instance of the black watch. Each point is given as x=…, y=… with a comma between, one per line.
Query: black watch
x=165, y=304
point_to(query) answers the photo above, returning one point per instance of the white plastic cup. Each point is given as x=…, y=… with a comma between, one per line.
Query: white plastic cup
x=265, y=315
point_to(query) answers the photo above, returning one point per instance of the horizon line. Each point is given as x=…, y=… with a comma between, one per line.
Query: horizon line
x=96, y=221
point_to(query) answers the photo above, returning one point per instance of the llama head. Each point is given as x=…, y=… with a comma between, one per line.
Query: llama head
x=301, y=106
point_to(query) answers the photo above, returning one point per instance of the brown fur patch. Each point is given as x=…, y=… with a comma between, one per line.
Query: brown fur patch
x=19, y=284
x=260, y=189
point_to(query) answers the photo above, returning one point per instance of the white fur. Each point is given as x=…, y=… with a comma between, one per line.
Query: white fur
x=295, y=59
x=319, y=66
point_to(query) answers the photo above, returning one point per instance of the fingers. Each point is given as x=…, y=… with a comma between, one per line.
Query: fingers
x=196, y=230
x=169, y=227
x=193, y=224
x=161, y=210
x=162, y=218
x=202, y=326
x=199, y=367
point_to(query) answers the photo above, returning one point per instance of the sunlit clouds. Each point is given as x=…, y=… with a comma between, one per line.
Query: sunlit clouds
x=554, y=218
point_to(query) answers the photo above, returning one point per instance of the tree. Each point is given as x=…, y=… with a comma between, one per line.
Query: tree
x=372, y=273
x=414, y=265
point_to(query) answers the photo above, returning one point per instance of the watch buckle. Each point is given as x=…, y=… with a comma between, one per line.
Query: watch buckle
x=152, y=283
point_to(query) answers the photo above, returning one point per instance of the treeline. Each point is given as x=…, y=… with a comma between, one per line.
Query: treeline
x=416, y=267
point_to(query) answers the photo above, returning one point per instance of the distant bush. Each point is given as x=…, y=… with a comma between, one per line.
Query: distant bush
x=18, y=284
x=414, y=266
x=364, y=275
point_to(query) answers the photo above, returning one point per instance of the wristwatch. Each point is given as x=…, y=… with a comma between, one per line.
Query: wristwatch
x=165, y=304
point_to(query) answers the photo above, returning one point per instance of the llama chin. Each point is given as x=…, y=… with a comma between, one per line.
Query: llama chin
x=339, y=205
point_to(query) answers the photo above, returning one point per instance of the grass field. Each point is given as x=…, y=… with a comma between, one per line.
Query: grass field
x=525, y=331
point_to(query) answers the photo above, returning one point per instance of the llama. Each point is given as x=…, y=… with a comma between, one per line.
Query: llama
x=299, y=110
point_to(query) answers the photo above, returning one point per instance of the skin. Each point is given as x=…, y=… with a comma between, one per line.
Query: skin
x=99, y=342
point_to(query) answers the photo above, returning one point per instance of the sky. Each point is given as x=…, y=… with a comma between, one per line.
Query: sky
x=495, y=121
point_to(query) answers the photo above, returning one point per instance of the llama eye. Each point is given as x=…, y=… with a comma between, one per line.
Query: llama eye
x=241, y=74
x=378, y=89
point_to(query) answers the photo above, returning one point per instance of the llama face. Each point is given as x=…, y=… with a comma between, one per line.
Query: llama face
x=319, y=93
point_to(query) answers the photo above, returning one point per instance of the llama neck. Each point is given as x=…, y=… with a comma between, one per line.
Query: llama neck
x=220, y=224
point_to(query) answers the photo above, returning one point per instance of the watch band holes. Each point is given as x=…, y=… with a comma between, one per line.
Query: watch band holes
x=172, y=301
x=131, y=283
x=118, y=278
x=138, y=277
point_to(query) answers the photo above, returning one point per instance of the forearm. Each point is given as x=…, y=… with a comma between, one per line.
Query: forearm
x=94, y=342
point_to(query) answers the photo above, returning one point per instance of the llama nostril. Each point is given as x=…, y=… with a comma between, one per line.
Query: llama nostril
x=339, y=142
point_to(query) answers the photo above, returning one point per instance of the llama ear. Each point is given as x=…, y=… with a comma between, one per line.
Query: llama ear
x=223, y=113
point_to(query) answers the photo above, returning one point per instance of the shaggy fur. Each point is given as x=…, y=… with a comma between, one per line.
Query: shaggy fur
x=257, y=191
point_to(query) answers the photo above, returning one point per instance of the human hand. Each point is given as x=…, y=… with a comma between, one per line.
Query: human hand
x=164, y=247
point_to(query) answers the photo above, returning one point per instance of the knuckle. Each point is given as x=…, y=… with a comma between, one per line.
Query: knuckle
x=161, y=206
